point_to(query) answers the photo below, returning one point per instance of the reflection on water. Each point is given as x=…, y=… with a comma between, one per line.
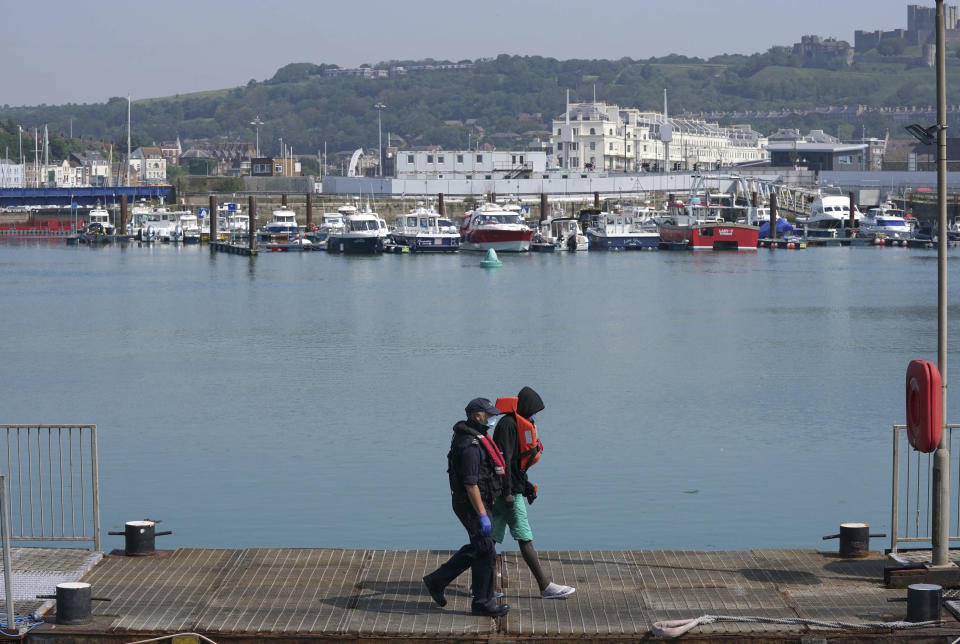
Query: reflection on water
x=305, y=400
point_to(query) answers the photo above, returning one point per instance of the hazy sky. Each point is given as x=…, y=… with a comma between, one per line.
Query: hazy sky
x=61, y=51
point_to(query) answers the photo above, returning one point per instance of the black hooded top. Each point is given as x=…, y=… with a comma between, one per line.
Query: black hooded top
x=505, y=436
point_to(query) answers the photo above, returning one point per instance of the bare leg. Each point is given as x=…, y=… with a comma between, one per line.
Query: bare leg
x=533, y=563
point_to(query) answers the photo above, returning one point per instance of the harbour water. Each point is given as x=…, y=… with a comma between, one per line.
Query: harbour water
x=693, y=400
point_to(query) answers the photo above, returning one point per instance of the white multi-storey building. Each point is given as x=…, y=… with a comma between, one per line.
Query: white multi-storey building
x=12, y=174
x=477, y=164
x=147, y=166
x=595, y=136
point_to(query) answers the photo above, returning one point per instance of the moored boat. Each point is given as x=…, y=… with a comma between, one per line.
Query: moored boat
x=886, y=221
x=829, y=215
x=564, y=232
x=420, y=230
x=692, y=226
x=360, y=234
x=491, y=226
x=283, y=224
x=615, y=230
x=161, y=224
x=100, y=215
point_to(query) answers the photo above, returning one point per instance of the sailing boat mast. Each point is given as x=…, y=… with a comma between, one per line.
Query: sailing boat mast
x=36, y=158
x=128, y=142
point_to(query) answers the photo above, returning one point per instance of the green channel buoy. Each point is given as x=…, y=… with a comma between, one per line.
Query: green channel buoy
x=491, y=260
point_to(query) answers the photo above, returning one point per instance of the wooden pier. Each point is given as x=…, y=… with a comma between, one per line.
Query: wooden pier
x=299, y=595
x=233, y=249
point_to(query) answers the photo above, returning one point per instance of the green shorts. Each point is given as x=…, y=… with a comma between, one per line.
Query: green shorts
x=515, y=517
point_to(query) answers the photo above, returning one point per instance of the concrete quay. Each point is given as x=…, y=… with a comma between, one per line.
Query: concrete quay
x=300, y=595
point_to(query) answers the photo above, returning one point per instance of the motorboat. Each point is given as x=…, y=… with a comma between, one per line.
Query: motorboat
x=885, y=221
x=419, y=229
x=492, y=226
x=283, y=224
x=231, y=222
x=329, y=222
x=161, y=224
x=138, y=219
x=360, y=234
x=100, y=215
x=190, y=226
x=615, y=230
x=830, y=214
x=447, y=226
x=756, y=216
x=93, y=233
x=564, y=232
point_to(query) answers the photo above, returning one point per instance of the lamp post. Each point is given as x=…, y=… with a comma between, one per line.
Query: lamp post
x=380, y=107
x=257, y=123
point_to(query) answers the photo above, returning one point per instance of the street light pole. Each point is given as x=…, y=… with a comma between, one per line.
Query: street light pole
x=257, y=123
x=380, y=107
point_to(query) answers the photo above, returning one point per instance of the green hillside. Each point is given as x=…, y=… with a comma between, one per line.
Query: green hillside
x=512, y=98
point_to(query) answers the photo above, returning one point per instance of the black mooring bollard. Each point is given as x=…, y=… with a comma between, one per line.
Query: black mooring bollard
x=73, y=602
x=140, y=538
x=923, y=602
x=854, y=539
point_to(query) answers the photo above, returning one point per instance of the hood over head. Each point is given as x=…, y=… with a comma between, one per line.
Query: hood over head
x=528, y=402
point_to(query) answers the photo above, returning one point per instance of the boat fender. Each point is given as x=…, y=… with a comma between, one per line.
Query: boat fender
x=924, y=406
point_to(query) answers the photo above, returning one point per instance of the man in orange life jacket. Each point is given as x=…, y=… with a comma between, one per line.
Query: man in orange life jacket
x=476, y=469
x=519, y=455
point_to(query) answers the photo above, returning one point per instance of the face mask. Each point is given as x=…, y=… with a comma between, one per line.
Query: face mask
x=492, y=421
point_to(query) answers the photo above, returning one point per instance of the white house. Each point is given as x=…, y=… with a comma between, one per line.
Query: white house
x=147, y=166
x=12, y=174
x=597, y=137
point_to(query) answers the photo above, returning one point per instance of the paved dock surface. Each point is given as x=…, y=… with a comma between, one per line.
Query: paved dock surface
x=310, y=594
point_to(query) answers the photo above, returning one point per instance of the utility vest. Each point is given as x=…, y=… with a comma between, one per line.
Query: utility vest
x=529, y=447
x=492, y=466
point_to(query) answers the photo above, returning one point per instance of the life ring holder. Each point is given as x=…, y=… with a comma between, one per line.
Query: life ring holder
x=924, y=406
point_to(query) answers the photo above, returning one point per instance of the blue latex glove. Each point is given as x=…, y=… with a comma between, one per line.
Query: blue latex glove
x=485, y=525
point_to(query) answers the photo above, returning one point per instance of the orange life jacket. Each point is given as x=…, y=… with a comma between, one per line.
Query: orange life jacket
x=530, y=446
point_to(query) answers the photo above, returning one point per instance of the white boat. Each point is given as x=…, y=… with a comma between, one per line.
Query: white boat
x=420, y=230
x=138, y=218
x=491, y=226
x=231, y=222
x=564, y=232
x=331, y=222
x=616, y=231
x=360, y=234
x=100, y=215
x=756, y=216
x=163, y=225
x=829, y=214
x=885, y=220
x=447, y=226
x=190, y=226
x=283, y=224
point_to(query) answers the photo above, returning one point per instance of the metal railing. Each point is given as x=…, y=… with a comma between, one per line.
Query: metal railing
x=54, y=487
x=7, y=568
x=912, y=490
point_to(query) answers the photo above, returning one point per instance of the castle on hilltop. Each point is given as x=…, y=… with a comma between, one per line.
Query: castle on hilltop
x=921, y=30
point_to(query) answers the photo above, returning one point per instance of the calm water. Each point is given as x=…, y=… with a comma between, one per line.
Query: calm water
x=708, y=400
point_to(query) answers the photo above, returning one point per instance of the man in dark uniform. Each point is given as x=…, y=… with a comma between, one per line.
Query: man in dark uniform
x=474, y=484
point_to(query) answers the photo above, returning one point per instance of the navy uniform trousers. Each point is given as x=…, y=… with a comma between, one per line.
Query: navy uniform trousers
x=479, y=555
